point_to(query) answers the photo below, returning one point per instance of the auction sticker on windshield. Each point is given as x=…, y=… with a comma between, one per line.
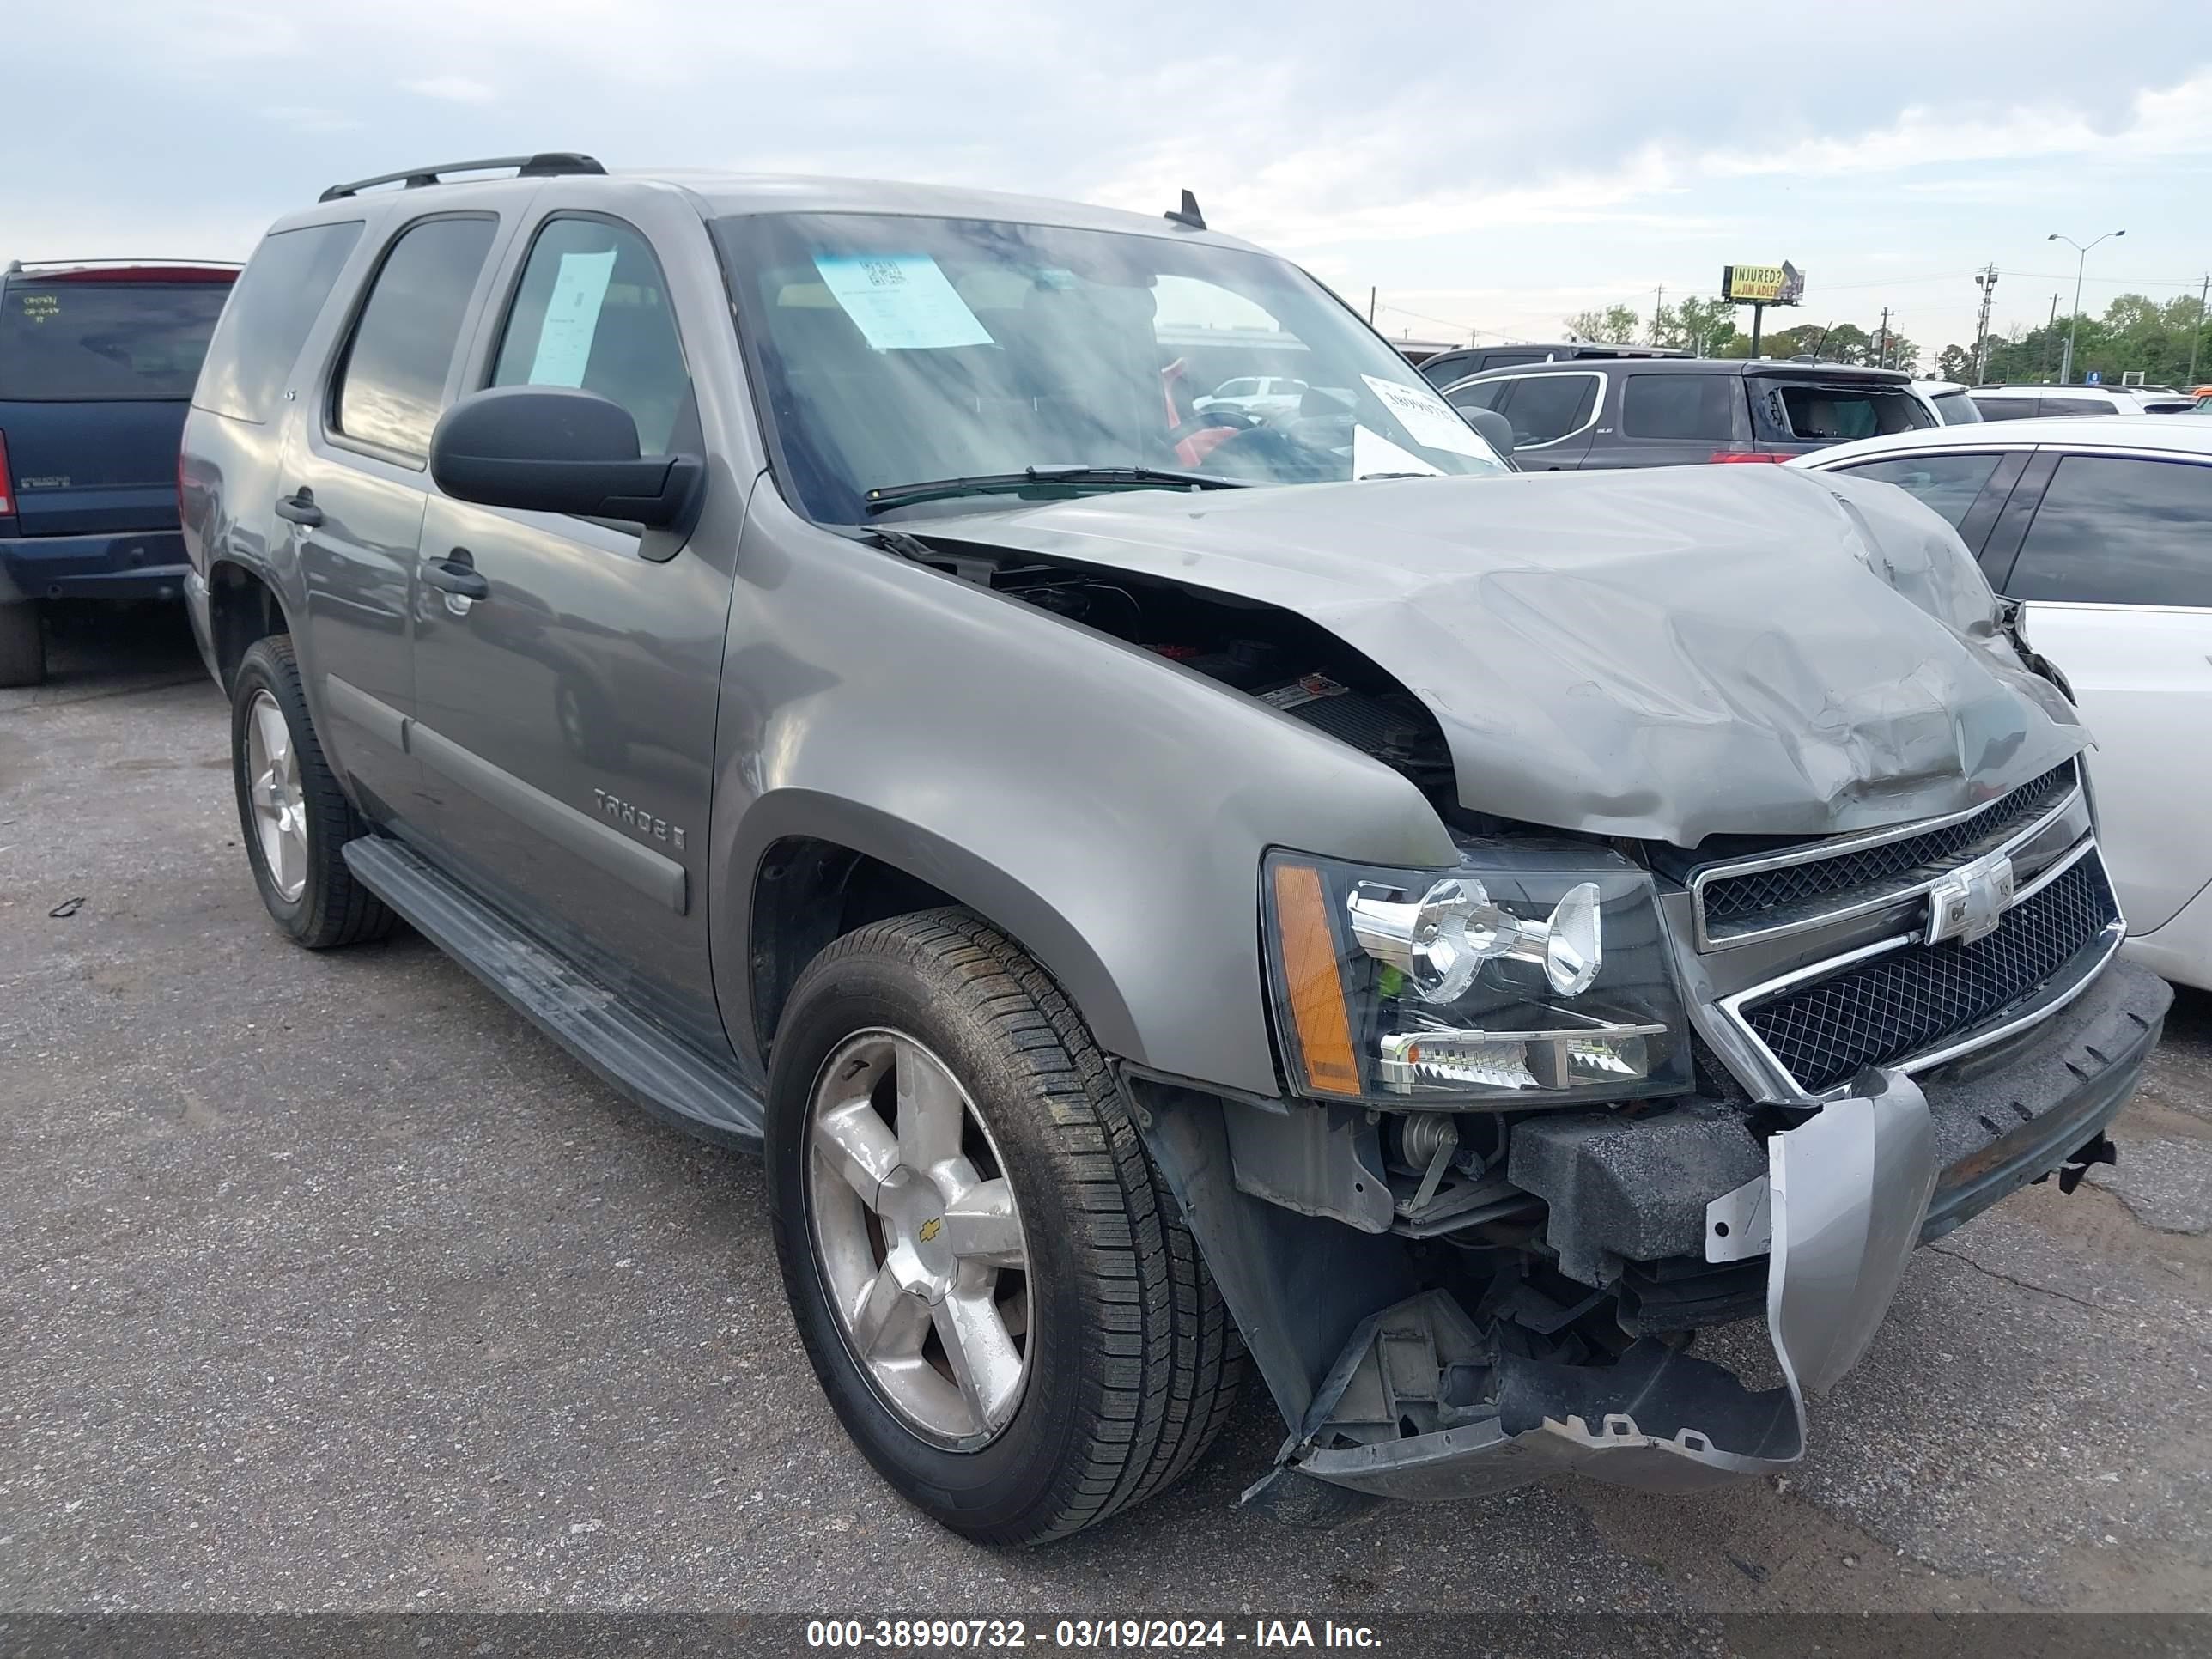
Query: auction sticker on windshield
x=1429, y=418
x=902, y=302
x=1374, y=455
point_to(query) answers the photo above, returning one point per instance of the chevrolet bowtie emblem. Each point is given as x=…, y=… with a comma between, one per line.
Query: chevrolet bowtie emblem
x=1968, y=903
x=929, y=1228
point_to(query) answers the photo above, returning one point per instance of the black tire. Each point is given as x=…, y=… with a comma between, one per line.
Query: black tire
x=331, y=909
x=22, y=644
x=1136, y=1364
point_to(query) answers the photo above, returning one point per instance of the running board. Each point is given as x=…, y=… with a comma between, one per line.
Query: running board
x=652, y=1066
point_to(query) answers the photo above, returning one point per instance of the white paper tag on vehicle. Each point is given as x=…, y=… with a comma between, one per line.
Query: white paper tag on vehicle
x=1429, y=418
x=1374, y=455
x=901, y=301
x=572, y=319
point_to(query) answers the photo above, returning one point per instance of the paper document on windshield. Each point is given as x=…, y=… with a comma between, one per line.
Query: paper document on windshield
x=1374, y=455
x=571, y=318
x=902, y=302
x=1430, y=419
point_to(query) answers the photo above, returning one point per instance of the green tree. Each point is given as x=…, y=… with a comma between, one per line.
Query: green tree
x=1614, y=326
x=1704, y=326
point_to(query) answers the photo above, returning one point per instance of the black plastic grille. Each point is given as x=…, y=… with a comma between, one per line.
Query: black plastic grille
x=1897, y=1006
x=1749, y=899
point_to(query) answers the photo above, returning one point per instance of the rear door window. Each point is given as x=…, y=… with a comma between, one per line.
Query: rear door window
x=1832, y=414
x=1698, y=406
x=592, y=311
x=93, y=339
x=392, y=383
x=1950, y=484
x=2005, y=408
x=2112, y=530
x=2076, y=406
x=273, y=306
x=1545, y=408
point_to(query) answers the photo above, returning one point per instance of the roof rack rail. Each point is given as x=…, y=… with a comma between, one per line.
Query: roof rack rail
x=14, y=265
x=547, y=164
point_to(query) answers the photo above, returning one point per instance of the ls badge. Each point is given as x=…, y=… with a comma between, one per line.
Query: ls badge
x=1968, y=903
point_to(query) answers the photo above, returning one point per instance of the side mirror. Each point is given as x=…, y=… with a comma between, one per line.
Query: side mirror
x=555, y=449
x=1497, y=431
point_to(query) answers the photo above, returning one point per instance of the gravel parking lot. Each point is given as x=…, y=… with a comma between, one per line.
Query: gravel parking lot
x=331, y=1285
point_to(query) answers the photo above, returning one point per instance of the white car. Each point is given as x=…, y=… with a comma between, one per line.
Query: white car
x=1951, y=404
x=2103, y=530
x=1264, y=398
x=2020, y=403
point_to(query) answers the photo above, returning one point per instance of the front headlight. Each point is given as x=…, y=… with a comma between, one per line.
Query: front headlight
x=1530, y=977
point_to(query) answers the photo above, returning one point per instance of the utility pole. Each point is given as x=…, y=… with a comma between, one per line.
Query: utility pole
x=1370, y=308
x=1658, y=311
x=1986, y=280
x=1881, y=341
x=2196, y=334
x=2050, y=329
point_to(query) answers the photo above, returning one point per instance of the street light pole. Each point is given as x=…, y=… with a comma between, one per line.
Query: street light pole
x=2074, y=323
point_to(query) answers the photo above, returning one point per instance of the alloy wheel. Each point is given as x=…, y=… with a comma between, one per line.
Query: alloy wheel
x=280, y=809
x=919, y=1239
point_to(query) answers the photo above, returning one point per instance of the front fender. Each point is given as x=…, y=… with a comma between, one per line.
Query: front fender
x=1107, y=809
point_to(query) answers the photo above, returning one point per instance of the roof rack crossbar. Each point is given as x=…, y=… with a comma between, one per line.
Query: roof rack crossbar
x=546, y=164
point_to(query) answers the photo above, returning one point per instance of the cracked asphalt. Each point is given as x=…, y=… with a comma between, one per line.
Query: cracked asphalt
x=331, y=1285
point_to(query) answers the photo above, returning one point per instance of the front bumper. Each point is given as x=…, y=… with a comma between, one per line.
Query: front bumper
x=124, y=565
x=1425, y=1402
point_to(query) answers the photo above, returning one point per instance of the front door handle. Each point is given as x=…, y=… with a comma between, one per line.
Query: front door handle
x=456, y=574
x=300, y=508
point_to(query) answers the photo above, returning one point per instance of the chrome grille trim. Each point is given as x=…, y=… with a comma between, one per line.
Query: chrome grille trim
x=1779, y=1084
x=1844, y=845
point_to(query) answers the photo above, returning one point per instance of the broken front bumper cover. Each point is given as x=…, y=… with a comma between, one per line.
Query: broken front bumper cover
x=1849, y=1193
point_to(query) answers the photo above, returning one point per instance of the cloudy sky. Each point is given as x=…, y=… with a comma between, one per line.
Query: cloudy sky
x=1488, y=167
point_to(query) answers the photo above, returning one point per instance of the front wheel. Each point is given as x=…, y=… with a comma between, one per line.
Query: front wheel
x=1002, y=1309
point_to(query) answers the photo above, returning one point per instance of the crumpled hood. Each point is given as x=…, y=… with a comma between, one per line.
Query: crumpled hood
x=1671, y=653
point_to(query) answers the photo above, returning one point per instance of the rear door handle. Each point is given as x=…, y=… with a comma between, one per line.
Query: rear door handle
x=457, y=574
x=300, y=508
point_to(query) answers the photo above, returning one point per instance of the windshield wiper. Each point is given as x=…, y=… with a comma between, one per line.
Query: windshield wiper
x=1003, y=483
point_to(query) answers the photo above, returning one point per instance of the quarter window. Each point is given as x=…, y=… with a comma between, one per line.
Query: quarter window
x=393, y=382
x=270, y=311
x=1685, y=406
x=1948, y=483
x=593, y=311
x=1545, y=408
x=2114, y=530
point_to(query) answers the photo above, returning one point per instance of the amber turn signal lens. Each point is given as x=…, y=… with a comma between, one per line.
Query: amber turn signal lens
x=1314, y=983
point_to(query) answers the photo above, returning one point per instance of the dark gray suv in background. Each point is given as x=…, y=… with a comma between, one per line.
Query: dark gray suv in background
x=1162, y=886
x=1684, y=411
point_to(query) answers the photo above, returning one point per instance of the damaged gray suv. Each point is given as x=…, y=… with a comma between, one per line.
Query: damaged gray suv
x=1170, y=891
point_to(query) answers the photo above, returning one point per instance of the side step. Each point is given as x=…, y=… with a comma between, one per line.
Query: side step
x=651, y=1065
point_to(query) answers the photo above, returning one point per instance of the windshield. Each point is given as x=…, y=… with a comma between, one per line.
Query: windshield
x=894, y=351
x=1957, y=408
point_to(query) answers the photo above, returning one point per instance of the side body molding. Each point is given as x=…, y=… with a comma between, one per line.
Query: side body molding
x=606, y=849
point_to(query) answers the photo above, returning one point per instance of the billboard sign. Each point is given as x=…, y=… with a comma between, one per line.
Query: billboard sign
x=1766, y=285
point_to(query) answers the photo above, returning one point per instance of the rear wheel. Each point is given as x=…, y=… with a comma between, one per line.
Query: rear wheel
x=294, y=817
x=1003, y=1310
x=22, y=644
